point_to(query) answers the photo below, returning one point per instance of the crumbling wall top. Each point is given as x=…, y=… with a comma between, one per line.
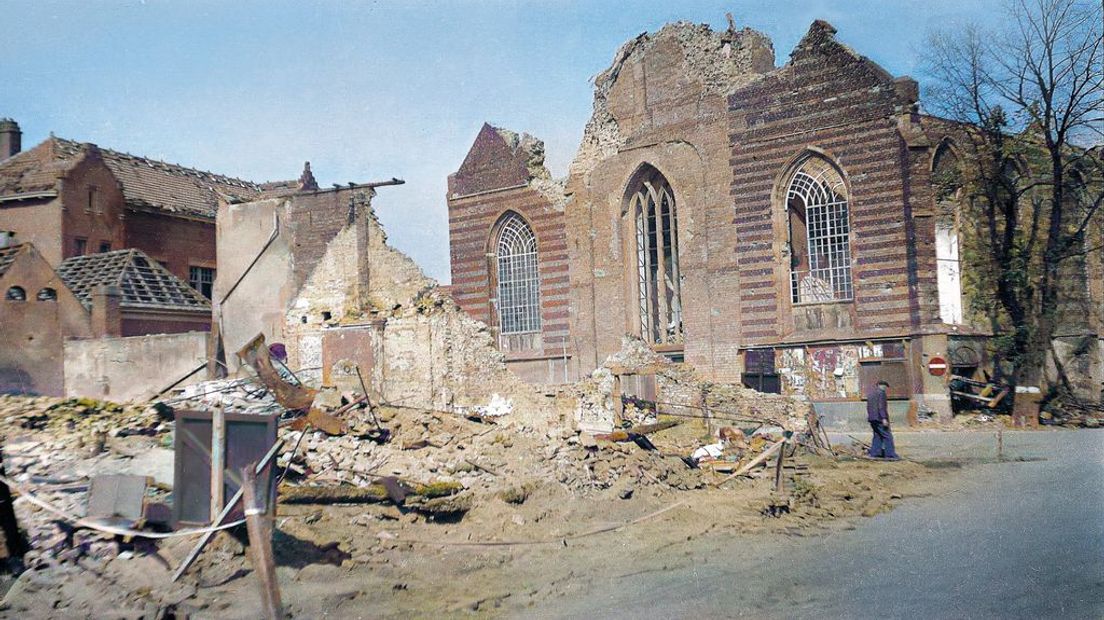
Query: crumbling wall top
x=682, y=62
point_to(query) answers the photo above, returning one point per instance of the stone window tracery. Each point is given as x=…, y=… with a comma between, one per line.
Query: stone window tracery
x=518, y=277
x=820, y=234
x=652, y=204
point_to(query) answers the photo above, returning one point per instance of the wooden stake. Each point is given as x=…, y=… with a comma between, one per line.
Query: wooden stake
x=618, y=404
x=260, y=546
x=218, y=460
x=778, y=471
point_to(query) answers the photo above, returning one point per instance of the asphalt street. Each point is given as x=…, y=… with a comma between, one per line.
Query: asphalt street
x=1022, y=538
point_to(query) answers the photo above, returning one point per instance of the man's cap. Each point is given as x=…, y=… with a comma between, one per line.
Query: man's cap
x=883, y=382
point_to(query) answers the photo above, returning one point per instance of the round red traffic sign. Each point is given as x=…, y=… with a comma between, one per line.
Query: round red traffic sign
x=937, y=366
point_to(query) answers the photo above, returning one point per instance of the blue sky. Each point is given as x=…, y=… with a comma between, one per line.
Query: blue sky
x=370, y=90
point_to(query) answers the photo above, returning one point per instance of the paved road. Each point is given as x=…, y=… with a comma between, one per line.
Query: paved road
x=1018, y=539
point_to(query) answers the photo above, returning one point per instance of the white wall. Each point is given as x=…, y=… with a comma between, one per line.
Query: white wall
x=134, y=368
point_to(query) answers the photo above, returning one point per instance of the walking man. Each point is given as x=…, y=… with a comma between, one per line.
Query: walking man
x=878, y=416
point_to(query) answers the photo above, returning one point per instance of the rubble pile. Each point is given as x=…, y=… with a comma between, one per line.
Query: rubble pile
x=681, y=393
x=485, y=458
x=1064, y=411
x=54, y=446
x=477, y=459
x=233, y=395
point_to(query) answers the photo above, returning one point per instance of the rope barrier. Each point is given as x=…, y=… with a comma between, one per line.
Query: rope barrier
x=545, y=541
x=25, y=494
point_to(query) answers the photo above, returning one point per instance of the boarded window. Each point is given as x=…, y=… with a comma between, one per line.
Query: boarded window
x=652, y=204
x=518, y=277
x=820, y=234
x=894, y=372
x=760, y=373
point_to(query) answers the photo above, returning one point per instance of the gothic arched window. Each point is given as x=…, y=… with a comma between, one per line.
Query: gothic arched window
x=518, y=294
x=947, y=182
x=657, y=258
x=820, y=233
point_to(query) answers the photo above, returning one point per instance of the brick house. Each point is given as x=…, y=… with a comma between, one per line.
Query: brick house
x=118, y=293
x=73, y=199
x=771, y=225
x=37, y=313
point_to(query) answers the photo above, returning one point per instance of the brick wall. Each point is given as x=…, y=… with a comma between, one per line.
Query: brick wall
x=177, y=243
x=93, y=207
x=471, y=225
x=483, y=191
x=166, y=324
x=665, y=108
x=834, y=103
x=37, y=222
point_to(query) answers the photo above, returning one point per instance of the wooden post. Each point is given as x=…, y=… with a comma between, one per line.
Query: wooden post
x=707, y=414
x=778, y=488
x=618, y=405
x=1000, y=444
x=218, y=460
x=260, y=546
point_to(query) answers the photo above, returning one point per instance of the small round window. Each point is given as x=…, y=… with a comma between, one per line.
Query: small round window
x=47, y=294
x=16, y=293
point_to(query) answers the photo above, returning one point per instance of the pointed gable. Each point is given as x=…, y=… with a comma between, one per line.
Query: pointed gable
x=824, y=78
x=494, y=162
x=819, y=44
x=32, y=171
x=143, y=282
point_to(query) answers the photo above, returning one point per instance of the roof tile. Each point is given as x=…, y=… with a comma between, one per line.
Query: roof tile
x=143, y=282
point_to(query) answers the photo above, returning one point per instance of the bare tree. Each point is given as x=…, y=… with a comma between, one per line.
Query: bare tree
x=1026, y=101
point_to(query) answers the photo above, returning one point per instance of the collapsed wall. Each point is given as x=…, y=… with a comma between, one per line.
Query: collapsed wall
x=313, y=271
x=678, y=390
x=718, y=61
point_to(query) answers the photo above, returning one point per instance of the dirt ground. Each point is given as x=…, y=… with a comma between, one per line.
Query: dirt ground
x=543, y=533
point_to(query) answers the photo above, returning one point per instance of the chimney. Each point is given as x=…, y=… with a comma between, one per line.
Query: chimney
x=107, y=317
x=11, y=139
x=306, y=180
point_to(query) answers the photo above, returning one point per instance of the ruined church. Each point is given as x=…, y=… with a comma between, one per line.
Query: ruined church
x=775, y=225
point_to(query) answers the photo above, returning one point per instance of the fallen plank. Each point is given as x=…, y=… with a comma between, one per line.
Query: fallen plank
x=766, y=454
x=481, y=467
x=629, y=434
x=255, y=353
x=348, y=494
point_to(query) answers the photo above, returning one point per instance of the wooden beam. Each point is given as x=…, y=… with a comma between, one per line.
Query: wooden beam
x=218, y=460
x=754, y=462
x=778, y=472
x=260, y=547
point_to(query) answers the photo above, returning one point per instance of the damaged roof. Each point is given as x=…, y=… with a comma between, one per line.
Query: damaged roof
x=7, y=257
x=143, y=282
x=146, y=183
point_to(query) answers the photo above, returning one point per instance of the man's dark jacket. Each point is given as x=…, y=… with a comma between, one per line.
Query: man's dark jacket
x=876, y=405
